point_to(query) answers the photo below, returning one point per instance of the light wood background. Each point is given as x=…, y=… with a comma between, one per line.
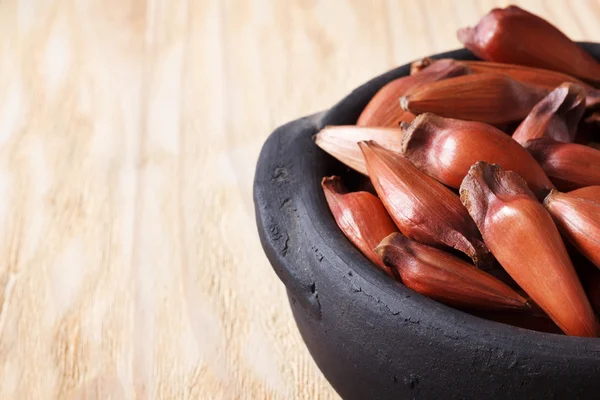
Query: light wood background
x=130, y=267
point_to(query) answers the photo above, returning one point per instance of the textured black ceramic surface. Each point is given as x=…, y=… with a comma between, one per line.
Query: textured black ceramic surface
x=372, y=337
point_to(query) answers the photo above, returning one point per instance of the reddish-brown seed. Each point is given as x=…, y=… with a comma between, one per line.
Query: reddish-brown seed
x=446, y=148
x=568, y=165
x=342, y=143
x=491, y=98
x=361, y=216
x=533, y=76
x=578, y=219
x=522, y=236
x=556, y=116
x=422, y=208
x=384, y=109
x=446, y=278
x=515, y=36
x=538, y=77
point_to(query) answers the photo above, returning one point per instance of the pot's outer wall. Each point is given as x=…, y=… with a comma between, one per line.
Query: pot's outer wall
x=371, y=337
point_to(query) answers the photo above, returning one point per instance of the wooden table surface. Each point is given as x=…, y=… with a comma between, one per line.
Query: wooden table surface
x=130, y=267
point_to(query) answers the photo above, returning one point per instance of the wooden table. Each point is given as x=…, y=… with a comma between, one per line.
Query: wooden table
x=129, y=131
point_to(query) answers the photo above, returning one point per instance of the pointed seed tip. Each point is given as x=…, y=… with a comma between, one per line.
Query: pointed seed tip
x=389, y=239
x=367, y=143
x=408, y=132
x=382, y=248
x=379, y=250
x=332, y=178
x=549, y=196
x=477, y=168
x=333, y=184
x=365, y=147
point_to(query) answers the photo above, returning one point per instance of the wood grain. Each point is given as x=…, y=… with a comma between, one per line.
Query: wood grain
x=129, y=131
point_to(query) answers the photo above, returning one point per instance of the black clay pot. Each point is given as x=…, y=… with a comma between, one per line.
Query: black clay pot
x=372, y=337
